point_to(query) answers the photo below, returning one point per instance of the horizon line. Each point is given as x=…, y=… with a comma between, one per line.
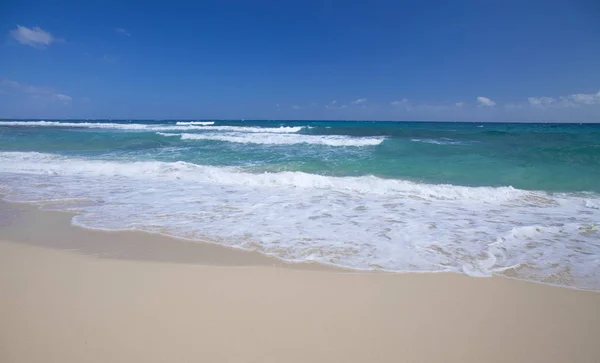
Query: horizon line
x=294, y=120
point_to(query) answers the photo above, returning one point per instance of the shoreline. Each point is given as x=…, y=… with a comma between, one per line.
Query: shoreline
x=138, y=245
x=28, y=223
x=131, y=296
x=158, y=247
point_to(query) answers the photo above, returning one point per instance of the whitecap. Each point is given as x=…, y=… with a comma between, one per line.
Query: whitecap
x=286, y=139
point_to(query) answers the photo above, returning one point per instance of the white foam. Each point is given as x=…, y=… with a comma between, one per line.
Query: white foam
x=286, y=139
x=590, y=204
x=356, y=222
x=99, y=125
x=199, y=123
x=277, y=130
x=150, y=127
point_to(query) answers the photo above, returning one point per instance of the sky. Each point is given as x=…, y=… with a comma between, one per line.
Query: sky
x=481, y=60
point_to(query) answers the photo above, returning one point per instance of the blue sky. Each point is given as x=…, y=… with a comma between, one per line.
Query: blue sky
x=387, y=60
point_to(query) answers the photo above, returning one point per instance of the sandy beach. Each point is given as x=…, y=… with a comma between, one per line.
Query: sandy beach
x=69, y=294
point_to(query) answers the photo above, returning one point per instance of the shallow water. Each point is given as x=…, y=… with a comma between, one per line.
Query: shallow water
x=515, y=199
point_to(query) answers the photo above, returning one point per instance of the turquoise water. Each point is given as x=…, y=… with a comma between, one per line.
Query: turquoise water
x=479, y=198
x=549, y=157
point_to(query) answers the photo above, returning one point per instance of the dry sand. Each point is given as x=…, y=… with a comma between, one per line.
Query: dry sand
x=135, y=297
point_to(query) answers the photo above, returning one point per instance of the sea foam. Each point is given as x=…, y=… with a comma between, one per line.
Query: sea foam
x=151, y=127
x=364, y=223
x=200, y=123
x=285, y=139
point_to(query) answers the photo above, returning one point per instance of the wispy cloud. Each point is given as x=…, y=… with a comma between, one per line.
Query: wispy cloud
x=359, y=101
x=514, y=106
x=122, y=31
x=586, y=99
x=485, y=102
x=63, y=98
x=541, y=101
x=66, y=100
x=296, y=107
x=110, y=58
x=459, y=104
x=401, y=102
x=406, y=105
x=334, y=106
x=34, y=37
x=38, y=92
x=15, y=87
x=573, y=100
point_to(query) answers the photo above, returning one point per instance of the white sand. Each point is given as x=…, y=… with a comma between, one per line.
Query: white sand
x=58, y=306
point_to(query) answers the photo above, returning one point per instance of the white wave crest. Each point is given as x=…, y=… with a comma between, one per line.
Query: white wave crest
x=286, y=139
x=275, y=130
x=98, y=125
x=49, y=164
x=149, y=127
x=198, y=123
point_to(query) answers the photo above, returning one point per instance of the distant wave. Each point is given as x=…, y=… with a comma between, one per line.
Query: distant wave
x=149, y=127
x=284, y=139
x=276, y=130
x=198, y=123
x=99, y=125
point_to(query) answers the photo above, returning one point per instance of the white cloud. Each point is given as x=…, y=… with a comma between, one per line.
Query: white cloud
x=460, y=104
x=63, y=98
x=359, y=101
x=296, y=107
x=333, y=102
x=586, y=99
x=484, y=101
x=541, y=101
x=34, y=37
x=573, y=100
x=122, y=31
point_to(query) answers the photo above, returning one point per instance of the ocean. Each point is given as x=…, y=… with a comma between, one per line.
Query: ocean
x=483, y=199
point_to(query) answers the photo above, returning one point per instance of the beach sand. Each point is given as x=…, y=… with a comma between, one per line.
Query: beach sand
x=138, y=297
